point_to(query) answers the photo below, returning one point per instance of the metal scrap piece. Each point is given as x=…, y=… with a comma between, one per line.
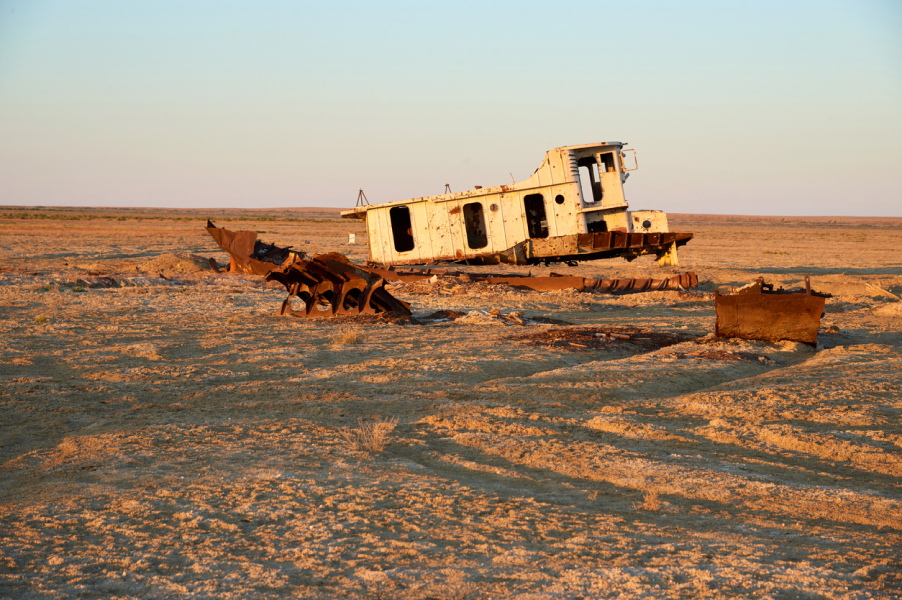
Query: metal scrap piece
x=250, y=255
x=758, y=312
x=330, y=285
x=683, y=281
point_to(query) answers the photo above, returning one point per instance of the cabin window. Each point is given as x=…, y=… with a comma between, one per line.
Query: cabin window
x=597, y=226
x=589, y=179
x=474, y=220
x=536, y=221
x=607, y=161
x=401, y=228
x=559, y=199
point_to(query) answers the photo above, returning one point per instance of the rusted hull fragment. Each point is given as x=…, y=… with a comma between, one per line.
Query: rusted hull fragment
x=606, y=244
x=331, y=285
x=757, y=312
x=571, y=248
x=250, y=255
x=683, y=281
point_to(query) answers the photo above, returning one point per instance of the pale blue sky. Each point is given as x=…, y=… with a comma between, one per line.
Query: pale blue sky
x=785, y=108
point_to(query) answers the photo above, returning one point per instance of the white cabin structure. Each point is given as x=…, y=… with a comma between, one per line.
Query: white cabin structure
x=572, y=208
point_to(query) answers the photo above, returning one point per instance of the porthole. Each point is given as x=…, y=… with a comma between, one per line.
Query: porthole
x=646, y=224
x=559, y=199
x=493, y=207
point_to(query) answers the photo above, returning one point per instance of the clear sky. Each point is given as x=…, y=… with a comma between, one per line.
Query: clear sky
x=765, y=107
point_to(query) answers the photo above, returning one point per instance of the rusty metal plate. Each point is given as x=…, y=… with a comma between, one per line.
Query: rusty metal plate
x=250, y=255
x=756, y=314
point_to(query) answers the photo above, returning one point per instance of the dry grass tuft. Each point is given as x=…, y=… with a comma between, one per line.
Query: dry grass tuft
x=650, y=502
x=349, y=336
x=41, y=319
x=369, y=437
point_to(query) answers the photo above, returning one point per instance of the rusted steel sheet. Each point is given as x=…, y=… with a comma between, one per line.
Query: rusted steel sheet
x=250, y=255
x=758, y=312
x=683, y=281
x=330, y=285
x=608, y=244
x=543, y=284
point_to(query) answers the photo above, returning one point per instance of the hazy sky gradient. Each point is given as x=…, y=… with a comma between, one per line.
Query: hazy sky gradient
x=785, y=108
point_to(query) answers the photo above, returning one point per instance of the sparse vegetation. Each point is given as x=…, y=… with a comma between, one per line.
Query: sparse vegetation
x=41, y=319
x=368, y=437
x=650, y=502
x=349, y=336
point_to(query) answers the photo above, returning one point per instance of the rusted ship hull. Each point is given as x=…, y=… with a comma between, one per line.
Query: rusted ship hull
x=569, y=248
x=572, y=208
x=756, y=314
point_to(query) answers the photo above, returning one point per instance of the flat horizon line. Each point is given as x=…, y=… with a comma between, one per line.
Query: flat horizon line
x=338, y=209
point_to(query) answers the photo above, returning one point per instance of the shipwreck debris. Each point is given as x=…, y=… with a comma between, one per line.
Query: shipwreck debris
x=759, y=312
x=683, y=281
x=330, y=285
x=250, y=255
x=572, y=208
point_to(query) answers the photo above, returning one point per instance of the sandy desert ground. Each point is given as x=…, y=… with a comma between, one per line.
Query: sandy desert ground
x=174, y=438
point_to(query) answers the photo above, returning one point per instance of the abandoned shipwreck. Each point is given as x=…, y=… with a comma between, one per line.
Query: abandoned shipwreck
x=572, y=208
